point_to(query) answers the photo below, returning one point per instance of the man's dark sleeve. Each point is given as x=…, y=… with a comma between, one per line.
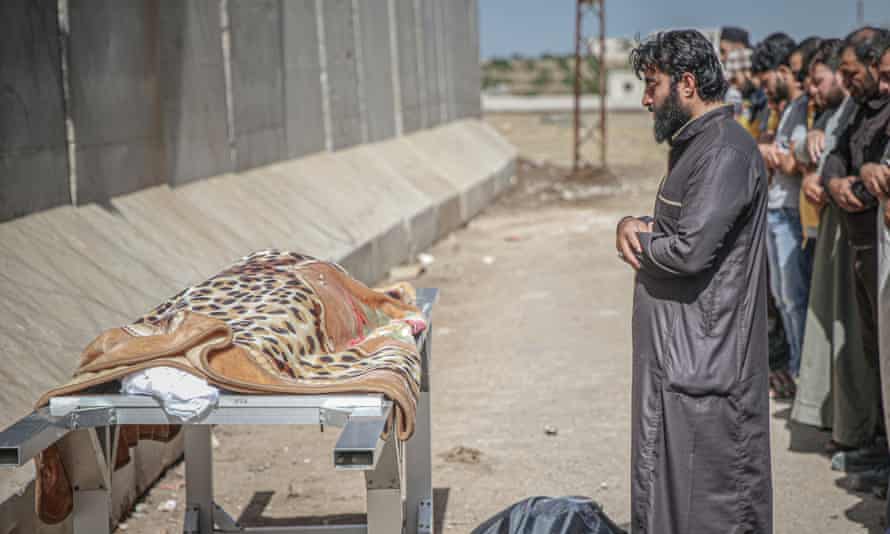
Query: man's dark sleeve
x=837, y=162
x=716, y=196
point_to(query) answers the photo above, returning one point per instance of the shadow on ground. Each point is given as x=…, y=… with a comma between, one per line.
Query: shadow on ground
x=870, y=510
x=252, y=515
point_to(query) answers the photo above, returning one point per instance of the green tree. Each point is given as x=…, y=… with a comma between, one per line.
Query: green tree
x=569, y=81
x=544, y=77
x=500, y=64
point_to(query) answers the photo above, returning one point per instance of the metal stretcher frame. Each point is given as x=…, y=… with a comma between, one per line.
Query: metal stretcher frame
x=389, y=466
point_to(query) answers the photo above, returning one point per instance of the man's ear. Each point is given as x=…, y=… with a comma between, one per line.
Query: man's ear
x=688, y=85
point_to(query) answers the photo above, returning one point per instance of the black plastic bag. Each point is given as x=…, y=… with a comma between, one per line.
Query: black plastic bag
x=551, y=515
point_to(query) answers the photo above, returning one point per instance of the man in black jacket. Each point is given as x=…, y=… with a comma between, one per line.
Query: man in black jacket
x=700, y=407
x=858, y=153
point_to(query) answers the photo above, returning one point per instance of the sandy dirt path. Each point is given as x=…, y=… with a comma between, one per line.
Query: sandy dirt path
x=532, y=331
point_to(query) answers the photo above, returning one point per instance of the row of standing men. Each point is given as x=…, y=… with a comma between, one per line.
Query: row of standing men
x=820, y=111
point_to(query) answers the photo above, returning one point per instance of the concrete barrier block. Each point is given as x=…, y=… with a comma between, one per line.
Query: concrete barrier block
x=400, y=156
x=152, y=254
x=393, y=247
x=425, y=230
x=288, y=191
x=473, y=173
x=492, y=148
x=175, y=224
x=17, y=509
x=226, y=202
x=404, y=159
x=362, y=216
x=360, y=262
x=439, y=147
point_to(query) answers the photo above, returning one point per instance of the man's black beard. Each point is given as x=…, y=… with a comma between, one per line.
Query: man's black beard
x=748, y=89
x=835, y=98
x=670, y=117
x=782, y=93
x=869, y=92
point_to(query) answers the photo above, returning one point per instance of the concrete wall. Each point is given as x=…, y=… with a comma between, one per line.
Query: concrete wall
x=431, y=110
x=345, y=108
x=303, y=102
x=114, y=64
x=33, y=151
x=367, y=207
x=193, y=91
x=409, y=75
x=257, y=82
x=204, y=130
x=162, y=93
x=466, y=58
x=376, y=68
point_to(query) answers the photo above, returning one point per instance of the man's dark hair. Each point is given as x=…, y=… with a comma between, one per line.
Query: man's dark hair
x=772, y=52
x=866, y=44
x=883, y=44
x=828, y=53
x=680, y=51
x=734, y=34
x=807, y=48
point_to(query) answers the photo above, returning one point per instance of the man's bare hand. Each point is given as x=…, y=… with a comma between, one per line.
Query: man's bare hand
x=627, y=242
x=786, y=163
x=815, y=144
x=876, y=178
x=770, y=154
x=887, y=214
x=813, y=190
x=841, y=191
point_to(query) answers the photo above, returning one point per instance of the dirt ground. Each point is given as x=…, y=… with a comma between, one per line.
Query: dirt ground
x=530, y=370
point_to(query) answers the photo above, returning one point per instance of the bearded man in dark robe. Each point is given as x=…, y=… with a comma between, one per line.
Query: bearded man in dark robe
x=700, y=443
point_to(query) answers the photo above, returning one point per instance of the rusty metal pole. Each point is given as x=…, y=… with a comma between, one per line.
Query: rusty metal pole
x=576, y=150
x=604, y=71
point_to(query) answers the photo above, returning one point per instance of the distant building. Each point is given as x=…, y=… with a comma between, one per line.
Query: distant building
x=617, y=50
x=624, y=89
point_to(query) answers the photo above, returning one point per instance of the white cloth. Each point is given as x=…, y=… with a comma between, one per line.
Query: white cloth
x=183, y=395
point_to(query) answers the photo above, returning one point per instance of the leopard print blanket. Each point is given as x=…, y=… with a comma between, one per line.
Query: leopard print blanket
x=274, y=322
x=274, y=304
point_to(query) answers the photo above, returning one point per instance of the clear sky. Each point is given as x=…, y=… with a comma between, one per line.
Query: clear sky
x=531, y=27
